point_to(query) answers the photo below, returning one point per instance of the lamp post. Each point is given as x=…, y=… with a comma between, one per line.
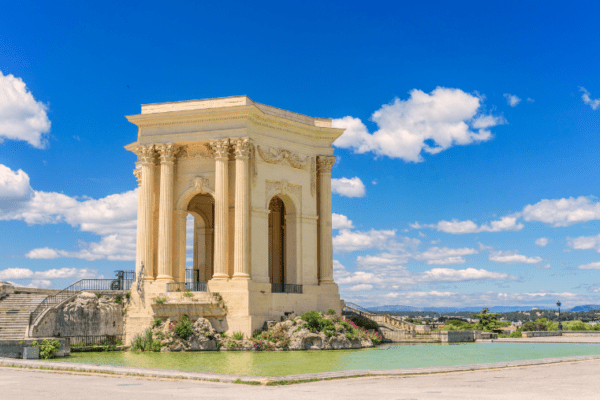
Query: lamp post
x=559, y=322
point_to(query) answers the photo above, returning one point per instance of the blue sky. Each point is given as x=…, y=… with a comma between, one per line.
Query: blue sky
x=468, y=174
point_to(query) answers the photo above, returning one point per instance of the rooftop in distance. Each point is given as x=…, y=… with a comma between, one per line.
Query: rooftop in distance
x=233, y=101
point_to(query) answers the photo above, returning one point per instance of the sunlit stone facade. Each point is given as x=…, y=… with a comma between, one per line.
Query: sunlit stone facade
x=257, y=181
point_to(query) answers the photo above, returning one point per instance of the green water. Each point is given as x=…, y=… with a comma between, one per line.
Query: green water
x=301, y=362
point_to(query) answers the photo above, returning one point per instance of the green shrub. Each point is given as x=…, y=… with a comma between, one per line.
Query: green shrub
x=143, y=341
x=156, y=346
x=331, y=311
x=188, y=293
x=157, y=322
x=119, y=300
x=516, y=334
x=98, y=295
x=127, y=295
x=161, y=300
x=183, y=329
x=238, y=336
x=350, y=335
x=47, y=348
x=363, y=322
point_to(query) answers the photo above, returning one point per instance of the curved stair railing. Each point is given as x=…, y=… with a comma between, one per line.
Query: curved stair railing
x=120, y=283
x=370, y=314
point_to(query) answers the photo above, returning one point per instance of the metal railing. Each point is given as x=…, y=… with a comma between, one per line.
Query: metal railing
x=122, y=282
x=185, y=286
x=80, y=341
x=285, y=288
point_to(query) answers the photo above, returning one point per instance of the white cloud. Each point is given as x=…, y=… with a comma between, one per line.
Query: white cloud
x=512, y=257
x=21, y=116
x=530, y=100
x=562, y=212
x=114, y=218
x=593, y=103
x=544, y=266
x=424, y=122
x=349, y=187
x=594, y=265
x=63, y=273
x=511, y=99
x=339, y=221
x=469, y=274
x=360, y=288
x=347, y=241
x=444, y=255
x=542, y=242
x=585, y=243
x=456, y=227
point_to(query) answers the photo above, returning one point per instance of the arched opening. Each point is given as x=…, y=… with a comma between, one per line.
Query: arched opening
x=200, y=238
x=277, y=241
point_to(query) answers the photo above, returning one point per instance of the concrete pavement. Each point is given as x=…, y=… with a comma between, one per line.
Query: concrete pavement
x=568, y=380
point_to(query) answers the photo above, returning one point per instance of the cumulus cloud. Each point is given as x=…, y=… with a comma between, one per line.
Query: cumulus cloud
x=469, y=274
x=339, y=221
x=456, y=227
x=62, y=273
x=512, y=257
x=425, y=122
x=21, y=116
x=585, y=243
x=348, y=187
x=114, y=218
x=347, y=241
x=542, y=242
x=562, y=212
x=594, y=265
x=593, y=103
x=511, y=99
x=444, y=255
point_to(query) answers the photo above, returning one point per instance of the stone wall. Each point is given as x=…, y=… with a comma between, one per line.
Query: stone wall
x=540, y=334
x=6, y=288
x=14, y=348
x=84, y=315
x=459, y=336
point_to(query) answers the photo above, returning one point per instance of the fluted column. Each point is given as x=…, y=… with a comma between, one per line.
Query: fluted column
x=180, y=248
x=138, y=174
x=165, y=212
x=324, y=164
x=221, y=152
x=208, y=252
x=146, y=160
x=241, y=248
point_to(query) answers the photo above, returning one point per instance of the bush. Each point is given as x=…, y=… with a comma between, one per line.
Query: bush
x=183, y=329
x=127, y=295
x=142, y=342
x=364, y=322
x=331, y=311
x=188, y=293
x=161, y=300
x=157, y=322
x=534, y=326
x=156, y=346
x=238, y=336
x=316, y=323
x=516, y=334
x=119, y=300
x=47, y=348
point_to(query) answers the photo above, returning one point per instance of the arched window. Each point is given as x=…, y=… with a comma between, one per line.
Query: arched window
x=277, y=241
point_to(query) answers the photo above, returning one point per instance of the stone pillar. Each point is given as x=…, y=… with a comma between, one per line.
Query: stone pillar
x=200, y=249
x=138, y=174
x=165, y=212
x=180, y=245
x=208, y=252
x=324, y=164
x=241, y=257
x=221, y=151
x=146, y=160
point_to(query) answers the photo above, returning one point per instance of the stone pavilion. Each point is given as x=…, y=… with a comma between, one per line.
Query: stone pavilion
x=257, y=181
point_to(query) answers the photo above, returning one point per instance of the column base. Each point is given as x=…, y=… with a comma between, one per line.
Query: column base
x=326, y=282
x=220, y=276
x=164, y=278
x=241, y=275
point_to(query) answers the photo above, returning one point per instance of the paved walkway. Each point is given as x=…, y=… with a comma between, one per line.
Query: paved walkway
x=554, y=339
x=573, y=380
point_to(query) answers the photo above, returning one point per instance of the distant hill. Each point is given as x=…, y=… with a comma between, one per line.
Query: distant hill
x=586, y=308
x=445, y=310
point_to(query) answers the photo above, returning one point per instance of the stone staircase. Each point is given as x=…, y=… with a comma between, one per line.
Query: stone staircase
x=15, y=309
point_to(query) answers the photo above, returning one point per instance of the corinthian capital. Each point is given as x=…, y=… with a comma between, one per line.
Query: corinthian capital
x=138, y=174
x=166, y=151
x=220, y=148
x=325, y=163
x=146, y=153
x=242, y=147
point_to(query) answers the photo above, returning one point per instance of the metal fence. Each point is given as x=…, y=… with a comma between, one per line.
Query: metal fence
x=285, y=288
x=185, y=286
x=123, y=281
x=81, y=341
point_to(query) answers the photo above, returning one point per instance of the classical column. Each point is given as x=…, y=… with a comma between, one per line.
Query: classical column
x=146, y=160
x=324, y=164
x=165, y=212
x=241, y=248
x=180, y=248
x=208, y=252
x=138, y=174
x=221, y=151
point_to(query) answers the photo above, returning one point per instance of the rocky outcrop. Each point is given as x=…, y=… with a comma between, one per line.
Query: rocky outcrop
x=85, y=315
x=6, y=288
x=202, y=338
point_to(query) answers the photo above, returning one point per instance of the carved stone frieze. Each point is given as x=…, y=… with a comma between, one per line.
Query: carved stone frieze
x=195, y=150
x=276, y=156
x=220, y=148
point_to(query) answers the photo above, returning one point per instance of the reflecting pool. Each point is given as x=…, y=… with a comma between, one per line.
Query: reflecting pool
x=389, y=356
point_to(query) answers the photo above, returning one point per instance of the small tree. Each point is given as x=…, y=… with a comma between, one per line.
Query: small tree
x=489, y=321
